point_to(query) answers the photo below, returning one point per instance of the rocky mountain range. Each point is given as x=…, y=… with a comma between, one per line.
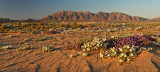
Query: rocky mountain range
x=88, y=16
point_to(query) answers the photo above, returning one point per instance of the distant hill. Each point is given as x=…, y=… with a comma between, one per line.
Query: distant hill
x=156, y=19
x=4, y=20
x=88, y=16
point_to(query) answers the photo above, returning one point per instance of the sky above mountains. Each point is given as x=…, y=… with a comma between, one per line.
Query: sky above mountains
x=37, y=9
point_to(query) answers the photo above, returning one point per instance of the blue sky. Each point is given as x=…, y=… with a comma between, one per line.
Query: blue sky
x=37, y=9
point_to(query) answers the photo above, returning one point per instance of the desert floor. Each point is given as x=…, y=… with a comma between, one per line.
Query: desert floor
x=59, y=60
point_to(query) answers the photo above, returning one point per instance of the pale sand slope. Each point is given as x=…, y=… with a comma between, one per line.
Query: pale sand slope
x=59, y=61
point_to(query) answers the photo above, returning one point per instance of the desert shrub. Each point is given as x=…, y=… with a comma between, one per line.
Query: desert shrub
x=25, y=48
x=7, y=47
x=156, y=38
x=116, y=25
x=80, y=26
x=41, y=27
x=27, y=39
x=74, y=25
x=10, y=36
x=47, y=49
x=84, y=40
x=43, y=38
x=2, y=27
x=62, y=25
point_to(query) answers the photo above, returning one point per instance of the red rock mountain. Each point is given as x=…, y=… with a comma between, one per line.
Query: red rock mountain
x=87, y=16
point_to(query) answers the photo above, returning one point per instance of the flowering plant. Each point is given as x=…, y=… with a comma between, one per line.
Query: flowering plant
x=134, y=40
x=73, y=46
x=95, y=44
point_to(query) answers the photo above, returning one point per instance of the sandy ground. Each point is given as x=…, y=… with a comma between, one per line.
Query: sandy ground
x=35, y=60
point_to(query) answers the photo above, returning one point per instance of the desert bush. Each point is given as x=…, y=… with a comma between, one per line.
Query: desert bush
x=74, y=25
x=25, y=48
x=72, y=56
x=41, y=27
x=47, y=49
x=27, y=39
x=62, y=25
x=10, y=36
x=84, y=40
x=43, y=38
x=156, y=38
x=7, y=47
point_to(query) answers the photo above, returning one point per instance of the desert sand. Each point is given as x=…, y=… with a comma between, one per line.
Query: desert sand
x=35, y=60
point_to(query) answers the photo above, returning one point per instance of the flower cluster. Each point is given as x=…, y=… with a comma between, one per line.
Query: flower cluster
x=84, y=54
x=95, y=44
x=25, y=48
x=127, y=53
x=150, y=49
x=134, y=40
x=110, y=53
x=47, y=49
x=73, y=46
x=49, y=32
x=156, y=43
x=7, y=47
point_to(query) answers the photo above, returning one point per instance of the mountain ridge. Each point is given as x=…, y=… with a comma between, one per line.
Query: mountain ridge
x=88, y=16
